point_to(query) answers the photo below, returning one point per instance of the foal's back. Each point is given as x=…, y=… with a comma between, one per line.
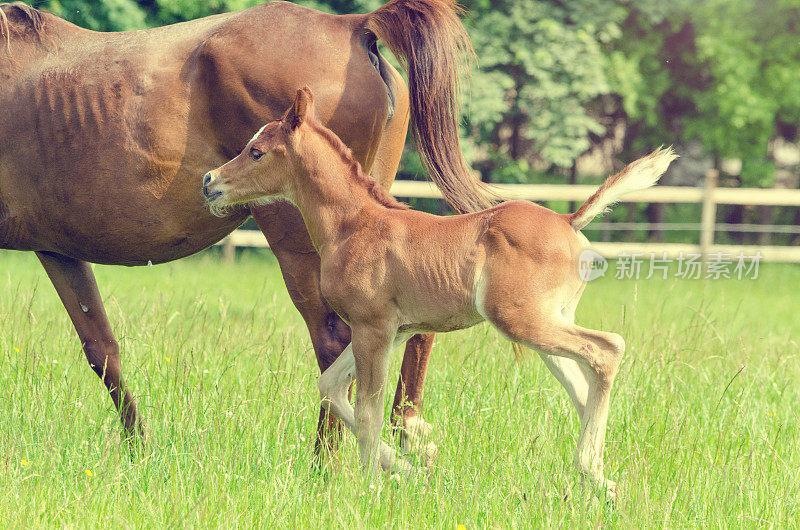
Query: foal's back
x=513, y=230
x=432, y=268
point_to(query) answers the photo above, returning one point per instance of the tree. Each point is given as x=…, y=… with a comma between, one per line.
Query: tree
x=720, y=71
x=540, y=65
x=99, y=15
x=723, y=72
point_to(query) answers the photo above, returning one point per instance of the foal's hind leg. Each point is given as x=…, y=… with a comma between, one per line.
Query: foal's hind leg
x=76, y=286
x=573, y=376
x=598, y=353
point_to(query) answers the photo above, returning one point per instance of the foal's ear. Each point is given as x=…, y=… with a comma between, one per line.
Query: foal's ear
x=302, y=109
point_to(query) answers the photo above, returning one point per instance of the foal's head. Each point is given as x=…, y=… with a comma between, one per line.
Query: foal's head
x=290, y=149
x=263, y=169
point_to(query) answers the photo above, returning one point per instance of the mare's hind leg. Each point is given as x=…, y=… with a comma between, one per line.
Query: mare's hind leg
x=408, y=396
x=300, y=265
x=76, y=286
x=598, y=353
x=414, y=431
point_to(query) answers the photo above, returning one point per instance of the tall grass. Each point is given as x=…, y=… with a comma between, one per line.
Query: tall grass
x=703, y=429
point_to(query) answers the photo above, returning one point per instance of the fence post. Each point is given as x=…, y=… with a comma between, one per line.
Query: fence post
x=709, y=214
x=228, y=249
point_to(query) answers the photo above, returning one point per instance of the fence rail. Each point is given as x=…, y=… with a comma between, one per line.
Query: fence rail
x=709, y=196
x=658, y=194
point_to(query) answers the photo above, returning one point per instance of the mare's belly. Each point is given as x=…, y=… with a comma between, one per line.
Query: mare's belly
x=113, y=233
x=126, y=244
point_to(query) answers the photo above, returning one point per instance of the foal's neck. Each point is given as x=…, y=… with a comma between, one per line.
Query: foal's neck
x=332, y=193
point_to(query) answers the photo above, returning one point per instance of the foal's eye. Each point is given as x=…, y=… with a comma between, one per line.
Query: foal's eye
x=256, y=154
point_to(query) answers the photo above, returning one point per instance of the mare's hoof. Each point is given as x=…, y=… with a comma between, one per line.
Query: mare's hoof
x=429, y=453
x=415, y=434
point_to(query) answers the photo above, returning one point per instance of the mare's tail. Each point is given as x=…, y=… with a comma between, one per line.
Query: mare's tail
x=638, y=175
x=428, y=38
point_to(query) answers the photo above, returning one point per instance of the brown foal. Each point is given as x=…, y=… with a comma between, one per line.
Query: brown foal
x=390, y=272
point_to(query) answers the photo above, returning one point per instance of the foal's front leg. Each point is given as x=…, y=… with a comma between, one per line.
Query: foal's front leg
x=372, y=344
x=285, y=230
x=333, y=387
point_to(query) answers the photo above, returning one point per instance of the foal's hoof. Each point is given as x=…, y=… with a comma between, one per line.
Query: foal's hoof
x=429, y=453
x=405, y=471
x=611, y=492
x=402, y=467
x=604, y=490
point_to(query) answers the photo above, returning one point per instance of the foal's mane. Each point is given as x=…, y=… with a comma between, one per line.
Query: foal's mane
x=357, y=175
x=31, y=20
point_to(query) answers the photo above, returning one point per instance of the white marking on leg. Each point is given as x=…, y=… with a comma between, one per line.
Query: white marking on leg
x=417, y=435
x=592, y=437
x=334, y=384
x=571, y=376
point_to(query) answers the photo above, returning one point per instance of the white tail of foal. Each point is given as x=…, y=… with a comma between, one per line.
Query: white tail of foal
x=638, y=175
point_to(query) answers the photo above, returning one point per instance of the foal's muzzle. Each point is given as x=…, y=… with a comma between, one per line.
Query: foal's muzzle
x=210, y=195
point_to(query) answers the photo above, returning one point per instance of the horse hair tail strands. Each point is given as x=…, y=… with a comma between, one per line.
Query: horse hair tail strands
x=429, y=40
x=638, y=175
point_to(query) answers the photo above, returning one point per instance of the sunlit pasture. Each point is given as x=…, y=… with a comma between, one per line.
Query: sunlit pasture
x=703, y=429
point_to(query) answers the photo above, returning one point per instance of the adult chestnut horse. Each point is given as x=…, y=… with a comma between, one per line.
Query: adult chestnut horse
x=104, y=138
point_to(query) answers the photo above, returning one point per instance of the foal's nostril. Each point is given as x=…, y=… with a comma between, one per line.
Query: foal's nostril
x=206, y=182
x=210, y=195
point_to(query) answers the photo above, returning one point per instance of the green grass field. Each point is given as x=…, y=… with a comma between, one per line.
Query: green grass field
x=703, y=429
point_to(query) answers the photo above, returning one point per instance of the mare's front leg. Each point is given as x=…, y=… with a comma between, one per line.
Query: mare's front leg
x=74, y=281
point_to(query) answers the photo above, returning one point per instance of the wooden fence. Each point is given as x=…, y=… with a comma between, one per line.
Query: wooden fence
x=709, y=196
